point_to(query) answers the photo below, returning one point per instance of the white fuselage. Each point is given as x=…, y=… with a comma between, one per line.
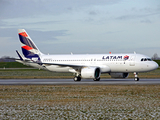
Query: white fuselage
x=108, y=63
x=84, y=65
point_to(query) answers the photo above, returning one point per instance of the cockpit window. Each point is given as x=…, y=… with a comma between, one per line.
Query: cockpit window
x=146, y=59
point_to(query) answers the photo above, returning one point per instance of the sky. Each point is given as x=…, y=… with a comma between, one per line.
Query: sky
x=81, y=26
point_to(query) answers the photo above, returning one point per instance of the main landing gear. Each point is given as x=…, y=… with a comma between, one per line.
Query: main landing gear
x=136, y=78
x=77, y=78
x=98, y=79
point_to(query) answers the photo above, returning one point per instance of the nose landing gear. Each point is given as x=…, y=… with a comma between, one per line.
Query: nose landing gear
x=136, y=78
x=77, y=77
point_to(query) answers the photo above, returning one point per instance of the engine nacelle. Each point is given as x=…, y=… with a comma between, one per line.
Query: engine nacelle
x=91, y=72
x=119, y=75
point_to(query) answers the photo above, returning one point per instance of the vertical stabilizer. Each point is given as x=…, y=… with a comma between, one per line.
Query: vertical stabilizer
x=29, y=48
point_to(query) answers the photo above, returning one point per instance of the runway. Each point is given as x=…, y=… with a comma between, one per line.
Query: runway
x=82, y=82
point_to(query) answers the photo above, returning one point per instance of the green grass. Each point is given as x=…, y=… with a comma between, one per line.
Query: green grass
x=12, y=65
x=157, y=61
x=31, y=74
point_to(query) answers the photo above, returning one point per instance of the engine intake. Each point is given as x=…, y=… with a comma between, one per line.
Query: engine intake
x=91, y=72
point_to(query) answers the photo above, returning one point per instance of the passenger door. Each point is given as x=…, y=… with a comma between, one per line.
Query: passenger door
x=132, y=60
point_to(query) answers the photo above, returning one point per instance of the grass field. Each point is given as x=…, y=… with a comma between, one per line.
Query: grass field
x=158, y=62
x=80, y=102
x=12, y=65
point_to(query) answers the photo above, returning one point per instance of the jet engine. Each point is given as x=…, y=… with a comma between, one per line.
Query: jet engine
x=91, y=72
x=119, y=75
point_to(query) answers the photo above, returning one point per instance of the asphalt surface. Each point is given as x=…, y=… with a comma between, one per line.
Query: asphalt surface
x=82, y=82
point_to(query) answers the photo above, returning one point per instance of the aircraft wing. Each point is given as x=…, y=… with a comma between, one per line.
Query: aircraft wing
x=76, y=67
x=73, y=66
x=63, y=65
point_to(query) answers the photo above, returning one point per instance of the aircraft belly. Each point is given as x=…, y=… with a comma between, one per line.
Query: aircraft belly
x=35, y=65
x=56, y=68
x=122, y=68
x=118, y=69
x=128, y=68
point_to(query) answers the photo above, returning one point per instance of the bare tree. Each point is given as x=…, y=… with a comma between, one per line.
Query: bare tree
x=155, y=57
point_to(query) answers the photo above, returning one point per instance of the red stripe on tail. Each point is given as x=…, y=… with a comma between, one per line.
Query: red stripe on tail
x=23, y=34
x=27, y=47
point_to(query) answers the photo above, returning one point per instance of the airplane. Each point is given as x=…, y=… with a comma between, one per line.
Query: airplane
x=86, y=66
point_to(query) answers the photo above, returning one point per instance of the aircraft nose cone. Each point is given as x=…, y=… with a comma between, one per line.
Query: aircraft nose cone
x=155, y=65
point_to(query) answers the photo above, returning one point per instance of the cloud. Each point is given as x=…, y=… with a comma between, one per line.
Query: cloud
x=10, y=40
x=31, y=8
x=69, y=25
x=139, y=13
x=146, y=17
x=92, y=13
x=46, y=36
x=7, y=32
x=37, y=35
x=146, y=21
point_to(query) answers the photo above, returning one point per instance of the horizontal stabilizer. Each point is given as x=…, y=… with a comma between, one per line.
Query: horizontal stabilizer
x=20, y=56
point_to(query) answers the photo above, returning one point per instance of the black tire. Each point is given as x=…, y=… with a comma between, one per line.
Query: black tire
x=98, y=79
x=77, y=78
x=136, y=78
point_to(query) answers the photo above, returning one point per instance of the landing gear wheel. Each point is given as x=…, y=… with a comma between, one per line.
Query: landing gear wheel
x=98, y=79
x=77, y=78
x=136, y=78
